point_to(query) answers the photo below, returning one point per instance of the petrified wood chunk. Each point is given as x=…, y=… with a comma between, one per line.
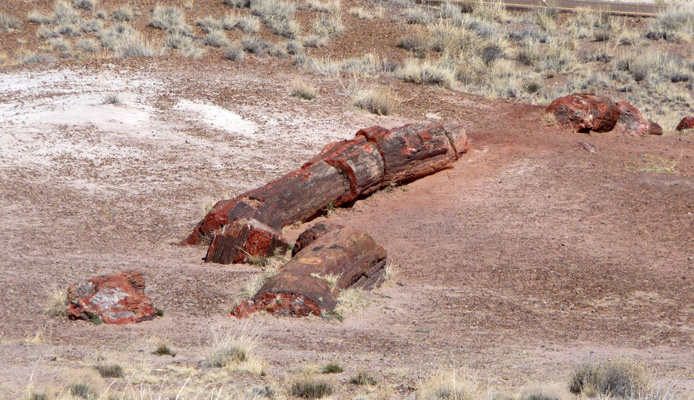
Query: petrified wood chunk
x=342, y=172
x=114, y=299
x=585, y=112
x=311, y=234
x=348, y=256
x=243, y=238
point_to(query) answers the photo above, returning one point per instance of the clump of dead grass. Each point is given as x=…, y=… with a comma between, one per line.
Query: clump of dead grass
x=621, y=377
x=376, y=101
x=8, y=23
x=58, y=305
x=303, y=90
x=425, y=72
x=311, y=387
x=448, y=384
x=232, y=347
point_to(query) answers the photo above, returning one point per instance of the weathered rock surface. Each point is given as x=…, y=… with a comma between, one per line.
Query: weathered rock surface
x=348, y=255
x=115, y=299
x=654, y=128
x=630, y=120
x=243, y=238
x=342, y=172
x=685, y=124
x=585, y=112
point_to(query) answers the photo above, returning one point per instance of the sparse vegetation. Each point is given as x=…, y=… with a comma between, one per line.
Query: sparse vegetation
x=217, y=39
x=255, y=45
x=164, y=350
x=59, y=304
x=329, y=6
x=232, y=347
x=8, y=23
x=332, y=368
x=363, y=378
x=84, y=4
x=109, y=370
x=303, y=90
x=170, y=19
x=443, y=385
x=376, y=101
x=134, y=46
x=82, y=390
x=624, y=378
x=426, y=73
x=418, y=16
x=311, y=388
x=122, y=14
x=234, y=52
x=328, y=26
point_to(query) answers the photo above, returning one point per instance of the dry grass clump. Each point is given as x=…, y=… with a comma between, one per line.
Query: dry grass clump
x=255, y=45
x=37, y=58
x=363, y=378
x=329, y=6
x=376, y=101
x=37, y=17
x=170, y=19
x=425, y=72
x=673, y=24
x=310, y=387
x=135, y=46
x=418, y=16
x=61, y=46
x=234, y=52
x=278, y=16
x=237, y=3
x=82, y=390
x=303, y=90
x=445, y=385
x=58, y=305
x=84, y=4
x=328, y=26
x=116, y=34
x=64, y=14
x=232, y=347
x=217, y=39
x=246, y=23
x=109, y=370
x=8, y=23
x=210, y=24
x=622, y=377
x=332, y=368
x=314, y=41
x=122, y=14
x=364, y=14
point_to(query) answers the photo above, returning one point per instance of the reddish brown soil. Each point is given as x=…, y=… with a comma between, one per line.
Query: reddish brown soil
x=529, y=255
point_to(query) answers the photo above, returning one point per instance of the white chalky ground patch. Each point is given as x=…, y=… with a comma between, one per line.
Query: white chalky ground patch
x=217, y=117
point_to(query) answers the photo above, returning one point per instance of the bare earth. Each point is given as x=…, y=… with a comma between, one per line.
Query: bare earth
x=527, y=257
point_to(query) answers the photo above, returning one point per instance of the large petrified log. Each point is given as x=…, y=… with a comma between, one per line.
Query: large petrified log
x=342, y=172
x=585, y=112
x=113, y=299
x=346, y=255
x=242, y=239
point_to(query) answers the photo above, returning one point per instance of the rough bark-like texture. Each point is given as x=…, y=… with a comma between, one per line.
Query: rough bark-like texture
x=630, y=120
x=685, y=124
x=585, y=112
x=115, y=299
x=281, y=304
x=311, y=234
x=413, y=151
x=242, y=238
x=347, y=253
x=341, y=173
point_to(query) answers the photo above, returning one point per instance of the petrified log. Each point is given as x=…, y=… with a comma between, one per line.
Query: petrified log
x=243, y=238
x=342, y=172
x=114, y=299
x=311, y=234
x=585, y=112
x=631, y=121
x=348, y=255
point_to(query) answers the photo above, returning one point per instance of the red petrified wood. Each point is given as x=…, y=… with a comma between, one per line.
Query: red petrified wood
x=115, y=299
x=585, y=112
x=630, y=120
x=243, y=238
x=342, y=172
x=347, y=254
x=685, y=124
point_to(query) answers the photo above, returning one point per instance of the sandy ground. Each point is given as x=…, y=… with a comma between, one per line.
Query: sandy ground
x=529, y=256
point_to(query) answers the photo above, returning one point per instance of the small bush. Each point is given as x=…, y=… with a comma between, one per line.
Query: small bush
x=314, y=41
x=246, y=23
x=177, y=40
x=234, y=53
x=83, y=390
x=39, y=18
x=232, y=348
x=332, y=368
x=59, y=302
x=122, y=14
x=363, y=378
x=84, y=4
x=330, y=26
x=117, y=34
x=109, y=370
x=210, y=24
x=330, y=6
x=191, y=51
x=294, y=48
x=612, y=378
x=237, y=3
x=379, y=102
x=311, y=388
x=136, y=47
x=38, y=396
x=426, y=73
x=112, y=99
x=414, y=42
x=255, y=45
x=64, y=14
x=217, y=39
x=164, y=350
x=8, y=23
x=444, y=385
x=418, y=16
x=37, y=58
x=92, y=25
x=169, y=19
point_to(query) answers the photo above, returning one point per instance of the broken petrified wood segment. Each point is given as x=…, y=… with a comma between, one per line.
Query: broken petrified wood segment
x=311, y=234
x=348, y=255
x=244, y=238
x=342, y=172
x=585, y=112
x=114, y=299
